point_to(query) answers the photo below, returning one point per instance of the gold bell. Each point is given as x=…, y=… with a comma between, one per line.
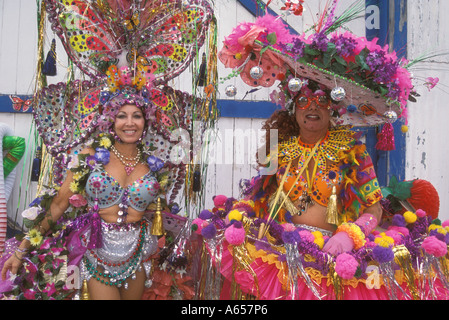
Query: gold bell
x=85, y=291
x=332, y=216
x=157, y=229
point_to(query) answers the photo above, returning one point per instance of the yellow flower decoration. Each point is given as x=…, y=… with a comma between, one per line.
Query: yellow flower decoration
x=105, y=142
x=74, y=186
x=35, y=237
x=77, y=176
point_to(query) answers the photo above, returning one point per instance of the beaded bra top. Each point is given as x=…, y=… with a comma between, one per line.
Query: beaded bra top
x=139, y=195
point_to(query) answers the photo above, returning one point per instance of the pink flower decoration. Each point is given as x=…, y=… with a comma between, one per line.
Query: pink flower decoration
x=431, y=83
x=78, y=200
x=29, y=294
x=346, y=266
x=434, y=247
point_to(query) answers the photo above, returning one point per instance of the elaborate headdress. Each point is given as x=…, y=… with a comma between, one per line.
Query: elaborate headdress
x=370, y=85
x=129, y=50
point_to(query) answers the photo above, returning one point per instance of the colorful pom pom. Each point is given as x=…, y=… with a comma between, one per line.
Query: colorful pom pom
x=434, y=247
x=410, y=217
x=235, y=215
x=346, y=266
x=235, y=234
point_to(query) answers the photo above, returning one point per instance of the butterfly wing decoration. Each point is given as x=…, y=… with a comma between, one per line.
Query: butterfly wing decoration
x=19, y=104
x=65, y=114
x=161, y=34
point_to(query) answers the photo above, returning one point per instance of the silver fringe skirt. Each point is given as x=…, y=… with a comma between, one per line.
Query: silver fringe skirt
x=125, y=250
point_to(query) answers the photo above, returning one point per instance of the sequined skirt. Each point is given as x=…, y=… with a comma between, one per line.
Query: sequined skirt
x=125, y=250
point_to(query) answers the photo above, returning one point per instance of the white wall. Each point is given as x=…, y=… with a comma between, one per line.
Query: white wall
x=427, y=143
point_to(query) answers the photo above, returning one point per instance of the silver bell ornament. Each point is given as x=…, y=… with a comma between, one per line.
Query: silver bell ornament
x=338, y=94
x=391, y=116
x=231, y=91
x=256, y=72
x=295, y=84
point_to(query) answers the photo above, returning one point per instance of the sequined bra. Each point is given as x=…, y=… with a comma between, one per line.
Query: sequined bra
x=102, y=186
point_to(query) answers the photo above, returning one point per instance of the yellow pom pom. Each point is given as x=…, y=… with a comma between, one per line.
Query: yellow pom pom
x=404, y=129
x=238, y=56
x=410, y=217
x=319, y=242
x=317, y=234
x=235, y=215
x=434, y=227
x=384, y=241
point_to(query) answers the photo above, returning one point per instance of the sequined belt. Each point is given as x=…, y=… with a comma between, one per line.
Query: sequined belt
x=125, y=249
x=312, y=229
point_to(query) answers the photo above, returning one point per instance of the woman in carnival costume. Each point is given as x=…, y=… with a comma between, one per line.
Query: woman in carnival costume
x=313, y=228
x=110, y=138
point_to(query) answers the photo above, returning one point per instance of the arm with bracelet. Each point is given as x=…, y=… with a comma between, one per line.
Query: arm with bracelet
x=352, y=235
x=58, y=206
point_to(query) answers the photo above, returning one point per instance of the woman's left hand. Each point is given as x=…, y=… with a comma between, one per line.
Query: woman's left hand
x=338, y=244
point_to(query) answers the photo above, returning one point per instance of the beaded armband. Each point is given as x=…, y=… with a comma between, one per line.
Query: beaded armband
x=355, y=233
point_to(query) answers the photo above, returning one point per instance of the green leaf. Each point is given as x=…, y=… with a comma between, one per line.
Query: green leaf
x=263, y=50
x=327, y=59
x=272, y=38
x=341, y=61
x=361, y=62
x=312, y=52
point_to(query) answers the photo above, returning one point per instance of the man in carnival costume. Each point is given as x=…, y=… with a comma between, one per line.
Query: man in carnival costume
x=110, y=138
x=310, y=230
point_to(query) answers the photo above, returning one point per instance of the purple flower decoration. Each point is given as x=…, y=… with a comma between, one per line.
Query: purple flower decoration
x=102, y=155
x=319, y=42
x=91, y=161
x=35, y=202
x=175, y=209
x=155, y=163
x=298, y=47
x=345, y=46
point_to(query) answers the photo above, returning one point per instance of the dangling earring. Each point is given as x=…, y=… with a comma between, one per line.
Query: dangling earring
x=116, y=137
x=144, y=134
x=292, y=109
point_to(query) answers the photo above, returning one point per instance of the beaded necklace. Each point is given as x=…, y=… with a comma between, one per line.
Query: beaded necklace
x=129, y=163
x=336, y=140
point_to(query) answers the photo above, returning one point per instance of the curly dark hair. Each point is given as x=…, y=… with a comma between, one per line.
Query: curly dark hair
x=286, y=126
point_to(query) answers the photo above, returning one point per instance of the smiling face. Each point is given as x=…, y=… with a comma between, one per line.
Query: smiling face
x=129, y=124
x=313, y=117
